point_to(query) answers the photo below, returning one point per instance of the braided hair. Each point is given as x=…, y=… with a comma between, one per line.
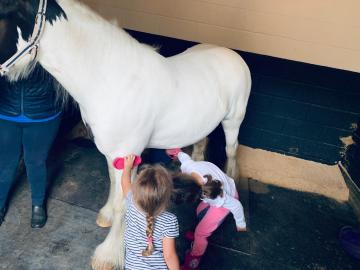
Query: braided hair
x=149, y=236
x=152, y=192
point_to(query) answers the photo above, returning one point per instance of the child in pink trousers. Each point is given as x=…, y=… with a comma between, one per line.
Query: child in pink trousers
x=219, y=198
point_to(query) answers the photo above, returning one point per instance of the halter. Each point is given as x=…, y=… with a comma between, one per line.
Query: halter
x=33, y=45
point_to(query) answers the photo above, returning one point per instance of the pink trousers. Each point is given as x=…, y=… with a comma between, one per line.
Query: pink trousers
x=212, y=219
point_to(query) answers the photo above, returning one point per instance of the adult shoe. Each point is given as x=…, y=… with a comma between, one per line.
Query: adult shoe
x=38, y=216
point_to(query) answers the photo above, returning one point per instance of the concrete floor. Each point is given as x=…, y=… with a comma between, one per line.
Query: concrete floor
x=287, y=229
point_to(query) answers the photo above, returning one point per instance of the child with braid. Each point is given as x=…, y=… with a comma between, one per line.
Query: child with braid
x=150, y=230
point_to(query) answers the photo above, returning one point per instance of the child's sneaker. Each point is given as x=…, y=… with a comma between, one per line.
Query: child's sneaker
x=191, y=262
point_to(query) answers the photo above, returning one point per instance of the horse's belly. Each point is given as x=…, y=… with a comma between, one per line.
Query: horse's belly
x=186, y=127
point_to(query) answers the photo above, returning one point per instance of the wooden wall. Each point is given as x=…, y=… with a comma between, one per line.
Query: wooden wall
x=322, y=32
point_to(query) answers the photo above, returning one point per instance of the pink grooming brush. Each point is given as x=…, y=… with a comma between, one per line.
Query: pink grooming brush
x=118, y=162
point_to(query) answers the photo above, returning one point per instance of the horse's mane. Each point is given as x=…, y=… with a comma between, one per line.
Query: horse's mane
x=86, y=18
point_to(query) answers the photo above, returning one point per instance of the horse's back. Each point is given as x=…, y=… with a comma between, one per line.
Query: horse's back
x=225, y=67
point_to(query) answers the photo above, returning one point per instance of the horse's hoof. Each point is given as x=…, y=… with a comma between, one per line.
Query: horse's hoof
x=103, y=266
x=102, y=222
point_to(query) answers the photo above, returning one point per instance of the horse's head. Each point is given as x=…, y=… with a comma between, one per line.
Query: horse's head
x=17, y=22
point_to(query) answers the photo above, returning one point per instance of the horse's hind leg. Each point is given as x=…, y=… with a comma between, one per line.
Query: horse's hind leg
x=231, y=125
x=199, y=150
x=105, y=216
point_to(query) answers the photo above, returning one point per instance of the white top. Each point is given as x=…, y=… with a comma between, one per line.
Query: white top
x=166, y=225
x=228, y=199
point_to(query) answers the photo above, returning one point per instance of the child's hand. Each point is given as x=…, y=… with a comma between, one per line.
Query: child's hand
x=129, y=162
x=240, y=229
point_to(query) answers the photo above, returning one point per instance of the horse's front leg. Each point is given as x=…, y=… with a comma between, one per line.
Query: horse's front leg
x=105, y=216
x=110, y=254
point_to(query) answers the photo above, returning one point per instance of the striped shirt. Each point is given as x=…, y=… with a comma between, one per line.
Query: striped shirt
x=166, y=225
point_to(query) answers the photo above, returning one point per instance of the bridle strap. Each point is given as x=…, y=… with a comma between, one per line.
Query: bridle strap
x=33, y=44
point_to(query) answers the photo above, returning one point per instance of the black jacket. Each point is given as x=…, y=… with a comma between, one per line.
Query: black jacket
x=34, y=97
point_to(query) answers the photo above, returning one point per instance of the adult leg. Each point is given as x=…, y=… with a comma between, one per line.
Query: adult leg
x=10, y=145
x=37, y=141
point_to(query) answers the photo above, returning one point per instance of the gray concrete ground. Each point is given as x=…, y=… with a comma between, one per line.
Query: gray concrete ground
x=287, y=229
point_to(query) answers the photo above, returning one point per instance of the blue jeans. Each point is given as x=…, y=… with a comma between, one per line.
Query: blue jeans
x=34, y=140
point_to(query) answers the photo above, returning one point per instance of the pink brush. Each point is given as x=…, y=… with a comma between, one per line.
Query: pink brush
x=172, y=153
x=118, y=162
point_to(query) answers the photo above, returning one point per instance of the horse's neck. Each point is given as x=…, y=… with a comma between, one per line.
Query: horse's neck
x=82, y=50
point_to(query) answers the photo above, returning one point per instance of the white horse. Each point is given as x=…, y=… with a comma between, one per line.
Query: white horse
x=129, y=95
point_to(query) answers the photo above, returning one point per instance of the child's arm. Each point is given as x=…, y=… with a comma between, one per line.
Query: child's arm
x=237, y=210
x=170, y=256
x=183, y=157
x=126, y=176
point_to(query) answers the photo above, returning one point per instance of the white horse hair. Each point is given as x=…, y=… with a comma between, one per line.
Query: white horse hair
x=133, y=98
